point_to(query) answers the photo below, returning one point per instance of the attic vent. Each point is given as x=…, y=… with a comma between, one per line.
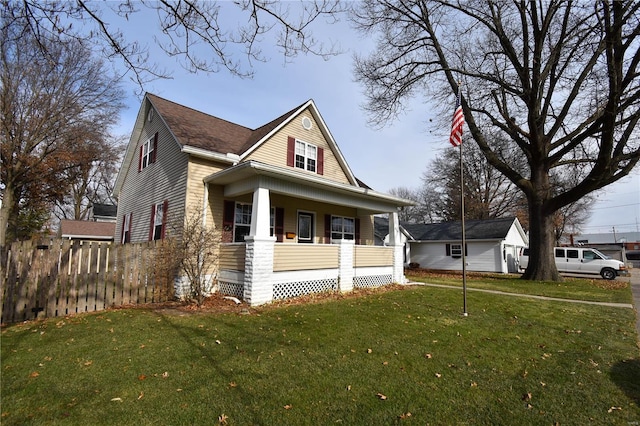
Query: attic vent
x=150, y=115
x=307, y=123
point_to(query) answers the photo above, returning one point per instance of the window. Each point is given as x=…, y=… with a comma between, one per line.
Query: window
x=572, y=254
x=590, y=255
x=126, y=229
x=306, y=156
x=242, y=222
x=342, y=228
x=456, y=250
x=148, y=152
x=305, y=227
x=559, y=252
x=158, y=215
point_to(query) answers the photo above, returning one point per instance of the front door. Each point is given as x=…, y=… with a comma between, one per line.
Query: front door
x=305, y=227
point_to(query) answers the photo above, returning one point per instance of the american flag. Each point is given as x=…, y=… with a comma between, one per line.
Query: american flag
x=456, y=125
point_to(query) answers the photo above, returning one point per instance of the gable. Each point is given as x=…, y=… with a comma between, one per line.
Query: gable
x=304, y=127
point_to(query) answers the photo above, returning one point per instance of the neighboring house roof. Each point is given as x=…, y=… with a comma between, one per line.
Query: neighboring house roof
x=486, y=229
x=87, y=230
x=105, y=210
x=380, y=227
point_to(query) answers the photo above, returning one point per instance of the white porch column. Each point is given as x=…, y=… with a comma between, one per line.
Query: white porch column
x=258, y=274
x=395, y=241
x=346, y=265
x=260, y=213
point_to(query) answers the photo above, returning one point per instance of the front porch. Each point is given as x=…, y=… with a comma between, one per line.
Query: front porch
x=294, y=269
x=287, y=234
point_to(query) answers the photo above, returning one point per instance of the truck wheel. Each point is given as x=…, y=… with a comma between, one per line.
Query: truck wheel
x=608, y=274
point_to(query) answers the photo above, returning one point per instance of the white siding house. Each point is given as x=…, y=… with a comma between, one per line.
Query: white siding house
x=492, y=245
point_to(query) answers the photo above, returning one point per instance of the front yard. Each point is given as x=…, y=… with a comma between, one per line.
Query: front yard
x=384, y=357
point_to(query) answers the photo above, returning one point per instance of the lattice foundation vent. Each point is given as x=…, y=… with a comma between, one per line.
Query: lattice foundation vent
x=298, y=288
x=372, y=281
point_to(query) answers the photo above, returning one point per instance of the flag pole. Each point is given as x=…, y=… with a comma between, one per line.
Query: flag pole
x=456, y=140
x=464, y=238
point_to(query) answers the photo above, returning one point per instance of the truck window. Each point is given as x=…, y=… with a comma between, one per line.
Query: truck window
x=559, y=252
x=589, y=255
x=572, y=254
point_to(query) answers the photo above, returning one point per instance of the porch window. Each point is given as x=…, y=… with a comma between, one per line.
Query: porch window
x=342, y=228
x=242, y=222
x=306, y=156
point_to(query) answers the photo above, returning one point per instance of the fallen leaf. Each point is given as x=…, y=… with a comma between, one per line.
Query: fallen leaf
x=428, y=356
x=526, y=396
x=165, y=375
x=34, y=374
x=142, y=377
x=88, y=363
x=141, y=396
x=474, y=385
x=222, y=419
x=116, y=399
x=385, y=363
x=438, y=375
x=218, y=342
x=369, y=351
x=612, y=409
x=287, y=407
x=405, y=416
x=348, y=387
x=233, y=385
x=381, y=396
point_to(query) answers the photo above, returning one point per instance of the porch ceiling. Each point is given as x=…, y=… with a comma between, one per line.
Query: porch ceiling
x=248, y=176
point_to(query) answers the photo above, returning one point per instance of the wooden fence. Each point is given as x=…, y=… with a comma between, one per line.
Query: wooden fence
x=61, y=277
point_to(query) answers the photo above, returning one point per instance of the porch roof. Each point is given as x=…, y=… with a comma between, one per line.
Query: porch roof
x=247, y=176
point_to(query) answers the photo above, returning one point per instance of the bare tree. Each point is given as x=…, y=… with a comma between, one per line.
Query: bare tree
x=56, y=110
x=232, y=35
x=560, y=80
x=196, y=249
x=93, y=183
x=488, y=193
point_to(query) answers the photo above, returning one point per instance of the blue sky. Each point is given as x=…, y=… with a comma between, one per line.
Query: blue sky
x=394, y=156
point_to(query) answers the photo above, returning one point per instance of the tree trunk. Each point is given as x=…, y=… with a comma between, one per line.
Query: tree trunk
x=542, y=265
x=5, y=211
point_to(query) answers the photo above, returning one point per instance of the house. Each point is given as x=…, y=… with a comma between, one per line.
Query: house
x=292, y=216
x=103, y=212
x=86, y=230
x=492, y=245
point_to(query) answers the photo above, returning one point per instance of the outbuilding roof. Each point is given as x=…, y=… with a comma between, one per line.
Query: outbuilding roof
x=486, y=229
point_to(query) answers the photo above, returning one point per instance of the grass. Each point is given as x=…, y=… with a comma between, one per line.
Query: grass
x=396, y=357
x=591, y=289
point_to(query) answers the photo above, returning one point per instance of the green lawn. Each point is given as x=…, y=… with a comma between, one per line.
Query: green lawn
x=592, y=289
x=397, y=357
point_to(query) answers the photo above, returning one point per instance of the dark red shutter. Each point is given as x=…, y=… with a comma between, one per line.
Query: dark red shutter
x=279, y=224
x=358, y=231
x=447, y=249
x=165, y=208
x=155, y=148
x=228, y=214
x=327, y=229
x=140, y=159
x=320, y=168
x=291, y=151
x=153, y=215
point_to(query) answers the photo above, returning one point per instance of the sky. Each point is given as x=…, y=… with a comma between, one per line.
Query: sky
x=393, y=156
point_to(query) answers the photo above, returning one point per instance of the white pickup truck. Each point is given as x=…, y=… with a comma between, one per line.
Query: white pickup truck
x=580, y=260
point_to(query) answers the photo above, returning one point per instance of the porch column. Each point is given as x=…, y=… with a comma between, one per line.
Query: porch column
x=258, y=280
x=346, y=265
x=395, y=241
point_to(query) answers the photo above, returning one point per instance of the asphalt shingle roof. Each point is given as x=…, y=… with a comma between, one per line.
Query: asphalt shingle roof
x=487, y=229
x=204, y=131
